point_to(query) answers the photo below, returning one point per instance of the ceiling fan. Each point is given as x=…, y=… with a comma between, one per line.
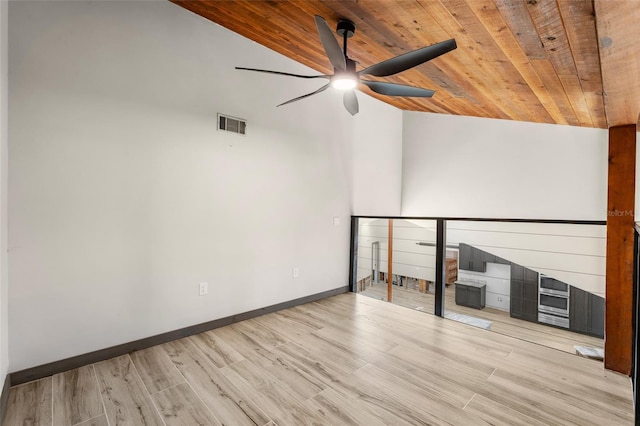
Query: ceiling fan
x=346, y=78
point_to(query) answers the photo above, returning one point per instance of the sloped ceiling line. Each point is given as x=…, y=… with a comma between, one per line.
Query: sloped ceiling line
x=544, y=61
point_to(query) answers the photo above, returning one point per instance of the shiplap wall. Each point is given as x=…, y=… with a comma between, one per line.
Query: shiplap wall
x=409, y=258
x=574, y=254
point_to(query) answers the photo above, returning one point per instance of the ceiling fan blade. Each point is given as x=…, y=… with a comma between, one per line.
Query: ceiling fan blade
x=351, y=102
x=323, y=88
x=330, y=44
x=283, y=73
x=392, y=89
x=409, y=60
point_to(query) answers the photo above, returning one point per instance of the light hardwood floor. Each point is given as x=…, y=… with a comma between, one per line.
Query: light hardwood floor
x=346, y=360
x=501, y=321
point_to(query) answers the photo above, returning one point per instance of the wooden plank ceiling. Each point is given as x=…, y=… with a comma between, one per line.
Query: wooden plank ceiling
x=542, y=61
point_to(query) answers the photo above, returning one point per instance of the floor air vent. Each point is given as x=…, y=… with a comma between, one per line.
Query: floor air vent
x=232, y=124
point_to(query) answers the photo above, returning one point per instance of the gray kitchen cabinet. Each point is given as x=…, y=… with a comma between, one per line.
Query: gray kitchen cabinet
x=586, y=312
x=578, y=310
x=596, y=319
x=530, y=290
x=530, y=310
x=473, y=259
x=530, y=295
x=471, y=294
x=490, y=258
x=477, y=266
x=530, y=275
x=524, y=293
x=523, y=300
x=477, y=262
x=464, y=256
x=517, y=272
x=515, y=302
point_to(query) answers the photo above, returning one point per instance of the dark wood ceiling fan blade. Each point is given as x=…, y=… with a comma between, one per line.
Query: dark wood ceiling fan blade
x=283, y=73
x=330, y=44
x=392, y=89
x=409, y=60
x=350, y=101
x=323, y=88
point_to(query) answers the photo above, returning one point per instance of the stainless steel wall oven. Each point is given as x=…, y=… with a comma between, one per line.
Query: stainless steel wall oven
x=553, y=302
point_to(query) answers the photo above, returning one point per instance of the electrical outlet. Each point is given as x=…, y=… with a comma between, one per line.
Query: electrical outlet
x=204, y=289
x=296, y=272
x=336, y=221
x=499, y=299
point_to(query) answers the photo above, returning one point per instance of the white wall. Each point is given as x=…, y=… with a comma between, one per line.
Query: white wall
x=377, y=161
x=123, y=196
x=4, y=297
x=476, y=167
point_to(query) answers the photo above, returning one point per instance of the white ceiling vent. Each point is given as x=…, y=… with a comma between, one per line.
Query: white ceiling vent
x=232, y=124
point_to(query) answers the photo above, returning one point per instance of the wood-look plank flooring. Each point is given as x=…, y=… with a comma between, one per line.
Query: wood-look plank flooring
x=501, y=322
x=76, y=397
x=346, y=360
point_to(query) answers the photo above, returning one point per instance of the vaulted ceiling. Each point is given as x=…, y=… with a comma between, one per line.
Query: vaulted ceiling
x=573, y=62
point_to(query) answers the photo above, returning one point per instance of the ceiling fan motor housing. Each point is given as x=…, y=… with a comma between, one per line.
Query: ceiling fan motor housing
x=351, y=65
x=346, y=26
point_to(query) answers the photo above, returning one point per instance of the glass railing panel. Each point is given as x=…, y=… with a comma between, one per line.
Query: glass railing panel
x=535, y=281
x=412, y=265
x=373, y=239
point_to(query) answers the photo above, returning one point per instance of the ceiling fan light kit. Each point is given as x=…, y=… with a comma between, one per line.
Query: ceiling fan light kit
x=344, y=81
x=346, y=78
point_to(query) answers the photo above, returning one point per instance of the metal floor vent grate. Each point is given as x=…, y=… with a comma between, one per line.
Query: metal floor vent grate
x=232, y=124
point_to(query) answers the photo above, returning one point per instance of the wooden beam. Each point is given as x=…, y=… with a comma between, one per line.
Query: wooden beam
x=390, y=263
x=620, y=225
